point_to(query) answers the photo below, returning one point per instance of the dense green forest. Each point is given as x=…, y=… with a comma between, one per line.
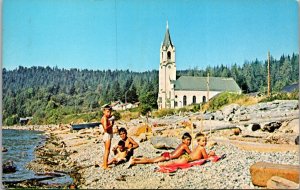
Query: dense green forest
x=48, y=93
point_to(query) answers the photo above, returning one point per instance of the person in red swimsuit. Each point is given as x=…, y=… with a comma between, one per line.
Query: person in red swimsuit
x=183, y=148
x=198, y=153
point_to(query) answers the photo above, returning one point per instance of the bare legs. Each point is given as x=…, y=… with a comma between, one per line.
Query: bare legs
x=178, y=161
x=106, y=153
x=147, y=160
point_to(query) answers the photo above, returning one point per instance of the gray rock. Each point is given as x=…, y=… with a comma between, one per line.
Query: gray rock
x=290, y=126
x=164, y=142
x=287, y=104
x=266, y=106
x=230, y=109
x=207, y=116
x=143, y=137
x=218, y=115
x=229, y=117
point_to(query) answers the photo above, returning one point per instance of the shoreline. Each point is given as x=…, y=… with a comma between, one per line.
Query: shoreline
x=42, y=128
x=42, y=178
x=75, y=152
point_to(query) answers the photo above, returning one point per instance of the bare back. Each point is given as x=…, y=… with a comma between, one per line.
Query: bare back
x=181, y=149
x=199, y=153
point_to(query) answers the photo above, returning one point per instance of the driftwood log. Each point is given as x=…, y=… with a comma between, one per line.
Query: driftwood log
x=277, y=182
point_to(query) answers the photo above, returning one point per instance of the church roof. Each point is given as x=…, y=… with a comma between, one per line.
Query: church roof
x=190, y=83
x=167, y=41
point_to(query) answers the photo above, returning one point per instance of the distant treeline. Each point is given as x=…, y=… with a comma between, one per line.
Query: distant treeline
x=48, y=93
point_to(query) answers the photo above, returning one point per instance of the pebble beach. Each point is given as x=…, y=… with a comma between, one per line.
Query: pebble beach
x=231, y=172
x=263, y=135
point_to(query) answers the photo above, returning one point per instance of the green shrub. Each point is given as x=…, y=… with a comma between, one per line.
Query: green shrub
x=11, y=120
x=196, y=108
x=222, y=99
x=282, y=96
x=53, y=117
x=87, y=117
x=128, y=115
x=144, y=109
x=294, y=95
x=182, y=110
x=164, y=112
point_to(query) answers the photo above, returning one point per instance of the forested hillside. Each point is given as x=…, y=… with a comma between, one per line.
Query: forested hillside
x=49, y=93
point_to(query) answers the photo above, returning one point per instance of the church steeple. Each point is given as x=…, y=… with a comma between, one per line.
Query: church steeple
x=167, y=41
x=167, y=73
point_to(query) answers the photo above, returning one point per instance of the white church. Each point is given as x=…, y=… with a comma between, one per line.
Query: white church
x=185, y=90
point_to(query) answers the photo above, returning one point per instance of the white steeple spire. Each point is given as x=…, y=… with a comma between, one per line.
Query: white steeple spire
x=167, y=25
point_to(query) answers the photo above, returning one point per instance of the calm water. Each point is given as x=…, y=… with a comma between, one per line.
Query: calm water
x=21, y=145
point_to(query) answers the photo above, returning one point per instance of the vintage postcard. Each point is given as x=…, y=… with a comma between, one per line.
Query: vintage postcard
x=176, y=94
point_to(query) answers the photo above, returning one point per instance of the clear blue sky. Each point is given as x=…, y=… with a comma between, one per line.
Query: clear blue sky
x=127, y=34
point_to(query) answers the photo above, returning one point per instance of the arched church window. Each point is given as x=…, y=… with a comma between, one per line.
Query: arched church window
x=184, y=100
x=194, y=99
x=175, y=104
x=169, y=67
x=203, y=99
x=169, y=55
x=175, y=96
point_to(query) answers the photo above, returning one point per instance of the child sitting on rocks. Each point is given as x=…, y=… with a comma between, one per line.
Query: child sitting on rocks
x=121, y=153
x=183, y=148
x=130, y=144
x=198, y=153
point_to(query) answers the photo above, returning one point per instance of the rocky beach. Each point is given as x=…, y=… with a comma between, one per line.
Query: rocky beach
x=264, y=132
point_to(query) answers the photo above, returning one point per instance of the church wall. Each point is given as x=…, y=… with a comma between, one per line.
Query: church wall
x=189, y=96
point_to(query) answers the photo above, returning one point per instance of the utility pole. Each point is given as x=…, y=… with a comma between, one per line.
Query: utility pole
x=269, y=77
x=208, y=100
x=207, y=83
x=126, y=99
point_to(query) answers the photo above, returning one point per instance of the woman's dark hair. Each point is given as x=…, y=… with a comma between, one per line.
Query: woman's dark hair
x=122, y=129
x=186, y=135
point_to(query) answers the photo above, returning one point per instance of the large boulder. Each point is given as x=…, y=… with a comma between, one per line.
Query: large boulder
x=267, y=106
x=287, y=104
x=160, y=142
x=229, y=109
x=143, y=137
x=218, y=115
x=261, y=172
x=136, y=131
x=158, y=130
x=291, y=127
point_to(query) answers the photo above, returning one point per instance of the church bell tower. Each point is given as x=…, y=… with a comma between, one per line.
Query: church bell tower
x=167, y=73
